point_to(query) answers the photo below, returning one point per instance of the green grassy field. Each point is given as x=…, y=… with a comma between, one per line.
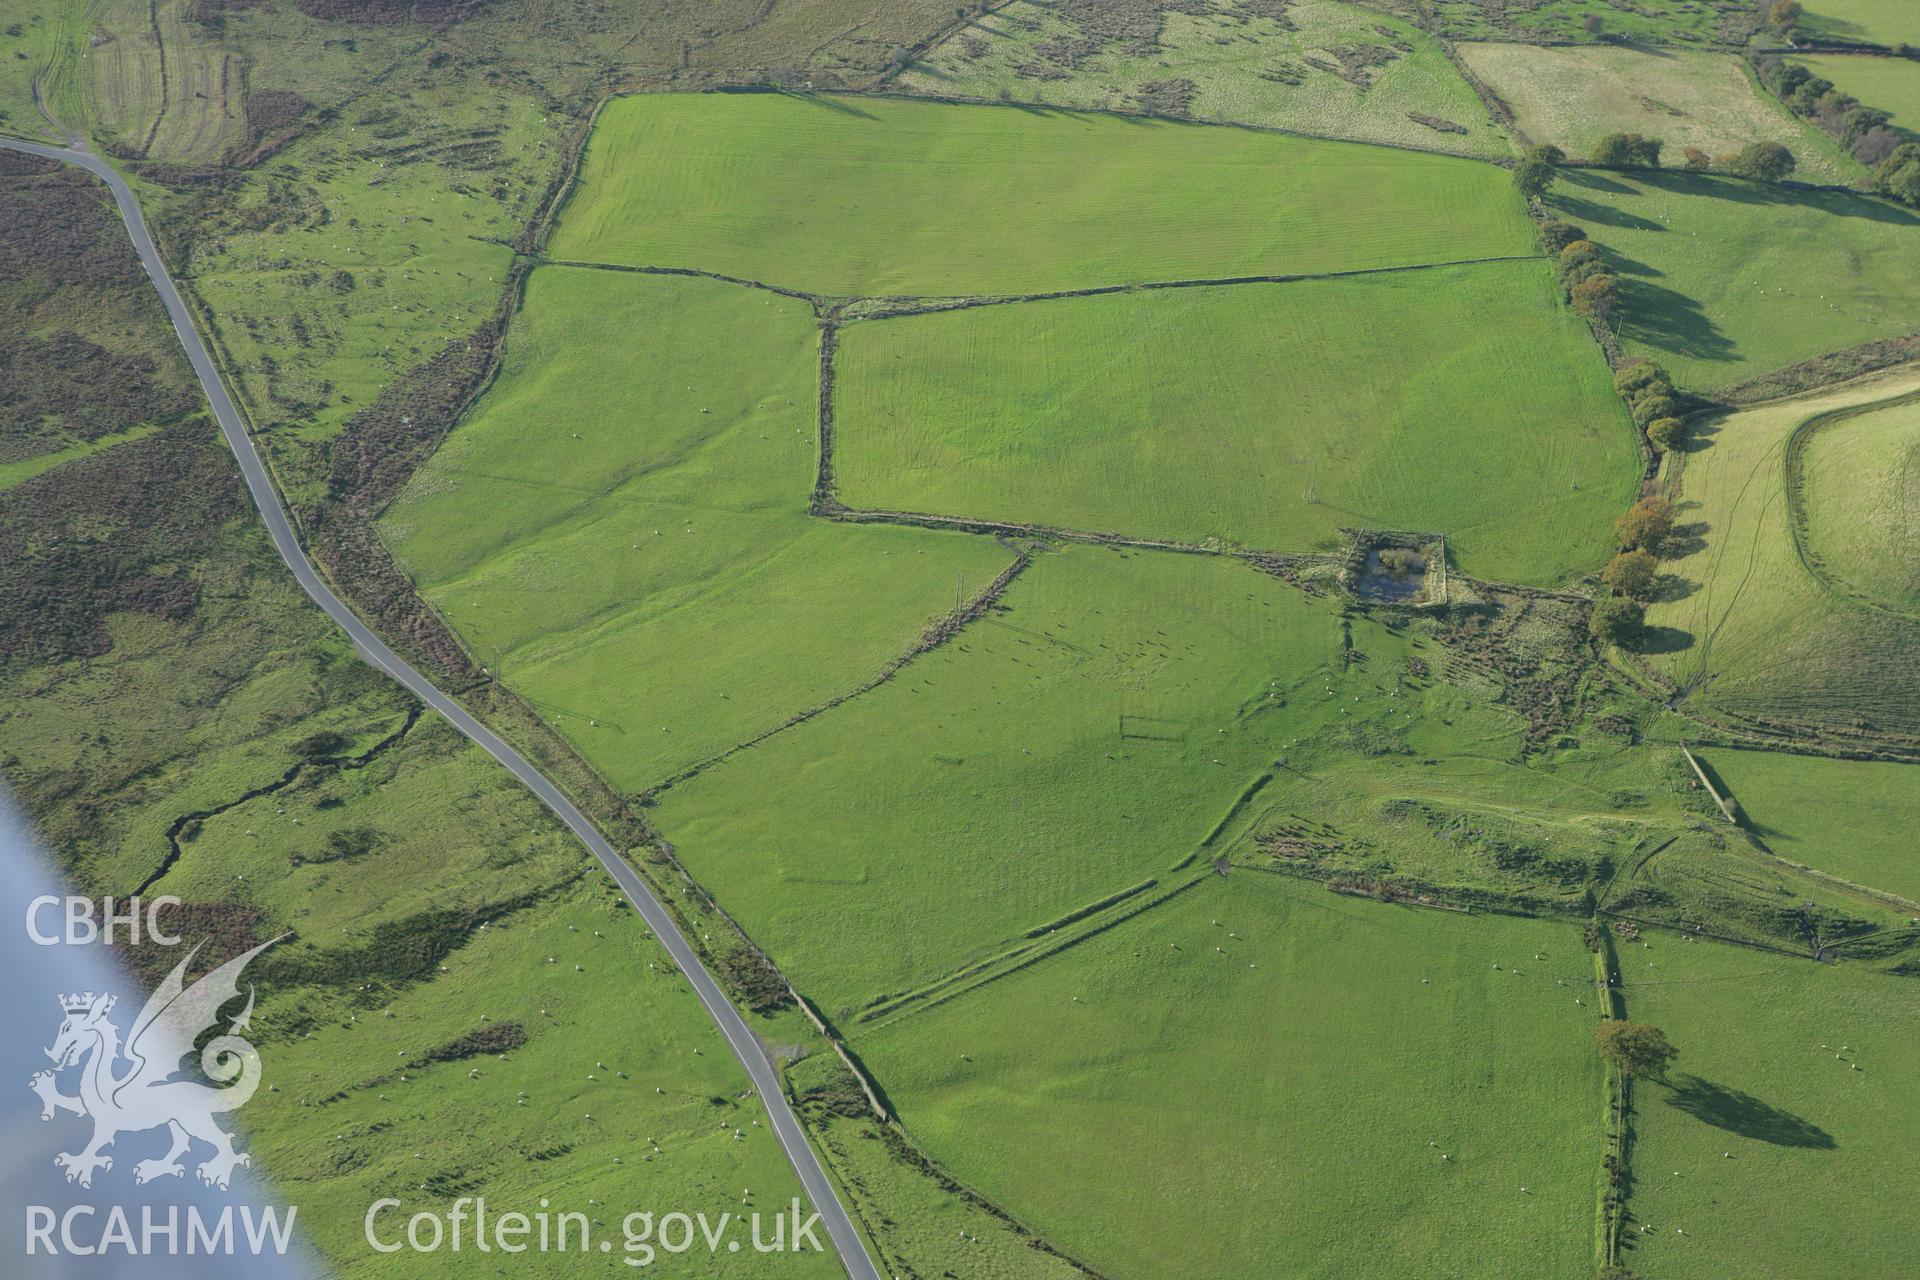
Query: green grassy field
x=1755, y=1161
x=1082, y=738
x=1572, y=96
x=853, y=196
x=1261, y=1077
x=1859, y=504
x=1329, y=68
x=1747, y=627
x=1887, y=22
x=1891, y=84
x=641, y=565
x=1724, y=279
x=1462, y=400
x=1848, y=818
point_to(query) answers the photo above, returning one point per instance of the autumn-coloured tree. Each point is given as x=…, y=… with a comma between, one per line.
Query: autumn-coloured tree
x=1631, y=574
x=1595, y=296
x=1647, y=524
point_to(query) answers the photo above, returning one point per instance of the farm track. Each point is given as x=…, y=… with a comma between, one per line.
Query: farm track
x=740, y=1038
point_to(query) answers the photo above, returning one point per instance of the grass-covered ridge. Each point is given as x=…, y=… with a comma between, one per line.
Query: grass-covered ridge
x=863, y=196
x=1857, y=489
x=1462, y=400
x=1747, y=627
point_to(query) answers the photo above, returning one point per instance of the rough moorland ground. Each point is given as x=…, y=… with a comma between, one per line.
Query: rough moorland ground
x=1660, y=22
x=85, y=360
x=1317, y=66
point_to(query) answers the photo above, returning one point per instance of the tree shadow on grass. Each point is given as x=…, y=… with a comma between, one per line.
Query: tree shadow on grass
x=1701, y=433
x=1688, y=539
x=1671, y=321
x=1840, y=204
x=1742, y=1113
x=1671, y=587
x=1594, y=180
x=1663, y=640
x=1592, y=211
x=1622, y=265
x=829, y=102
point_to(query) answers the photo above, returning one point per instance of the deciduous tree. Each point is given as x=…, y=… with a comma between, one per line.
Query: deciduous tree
x=1635, y=1048
x=1617, y=621
x=1647, y=524
x=1765, y=161
x=1631, y=574
x=1595, y=296
x=1666, y=434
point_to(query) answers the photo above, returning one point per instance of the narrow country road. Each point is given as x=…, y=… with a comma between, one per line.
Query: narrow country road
x=786, y=1127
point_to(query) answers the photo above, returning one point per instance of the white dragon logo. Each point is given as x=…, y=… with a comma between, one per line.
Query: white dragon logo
x=147, y=1096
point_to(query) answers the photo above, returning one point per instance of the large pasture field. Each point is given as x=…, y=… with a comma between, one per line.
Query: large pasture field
x=1574, y=95
x=1849, y=818
x=1463, y=400
x=1793, y=1094
x=1725, y=279
x=1323, y=67
x=1083, y=738
x=867, y=196
x=620, y=533
x=1746, y=624
x=1264, y=1078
